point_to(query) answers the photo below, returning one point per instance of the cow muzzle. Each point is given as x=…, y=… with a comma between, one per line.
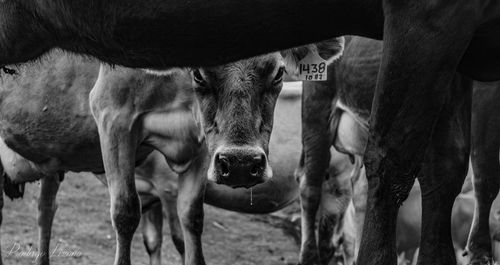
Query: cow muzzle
x=240, y=167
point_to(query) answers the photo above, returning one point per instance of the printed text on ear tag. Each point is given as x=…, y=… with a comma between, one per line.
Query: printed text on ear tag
x=312, y=68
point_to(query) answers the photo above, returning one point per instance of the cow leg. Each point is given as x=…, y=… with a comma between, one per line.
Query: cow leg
x=174, y=224
x=351, y=234
x=2, y=179
x=445, y=168
x=486, y=185
x=414, y=257
x=421, y=54
x=152, y=225
x=169, y=204
x=190, y=208
x=118, y=144
x=328, y=227
x=486, y=168
x=310, y=197
x=331, y=239
x=317, y=101
x=47, y=207
x=336, y=195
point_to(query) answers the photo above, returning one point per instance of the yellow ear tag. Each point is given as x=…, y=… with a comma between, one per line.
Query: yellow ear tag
x=312, y=68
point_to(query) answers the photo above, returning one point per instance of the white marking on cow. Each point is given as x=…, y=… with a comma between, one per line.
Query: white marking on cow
x=166, y=72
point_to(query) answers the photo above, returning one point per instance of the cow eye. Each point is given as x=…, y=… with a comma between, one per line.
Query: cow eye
x=198, y=78
x=279, y=75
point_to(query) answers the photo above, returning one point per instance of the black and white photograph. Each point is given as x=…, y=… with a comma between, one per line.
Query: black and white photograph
x=249, y=132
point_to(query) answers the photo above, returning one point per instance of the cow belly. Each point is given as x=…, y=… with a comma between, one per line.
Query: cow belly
x=18, y=168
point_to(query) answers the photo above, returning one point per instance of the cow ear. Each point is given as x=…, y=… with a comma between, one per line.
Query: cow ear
x=330, y=50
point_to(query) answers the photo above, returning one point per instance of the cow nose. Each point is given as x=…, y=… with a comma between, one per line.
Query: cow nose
x=257, y=165
x=225, y=166
x=239, y=169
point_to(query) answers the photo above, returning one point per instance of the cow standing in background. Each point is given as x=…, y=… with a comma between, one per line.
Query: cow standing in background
x=157, y=186
x=154, y=180
x=345, y=104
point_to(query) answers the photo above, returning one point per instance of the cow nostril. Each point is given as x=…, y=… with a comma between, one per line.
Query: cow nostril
x=254, y=171
x=224, y=171
x=223, y=165
x=258, y=165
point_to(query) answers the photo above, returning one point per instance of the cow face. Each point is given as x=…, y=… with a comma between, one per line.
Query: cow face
x=236, y=103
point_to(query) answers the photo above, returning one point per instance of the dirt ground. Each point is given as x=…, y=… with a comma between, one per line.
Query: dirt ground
x=82, y=232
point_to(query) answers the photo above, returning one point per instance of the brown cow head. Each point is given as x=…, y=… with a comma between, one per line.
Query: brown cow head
x=236, y=103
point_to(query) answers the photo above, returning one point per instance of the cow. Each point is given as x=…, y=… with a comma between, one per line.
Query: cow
x=156, y=182
x=236, y=110
x=53, y=131
x=156, y=185
x=346, y=109
x=426, y=42
x=213, y=120
x=319, y=161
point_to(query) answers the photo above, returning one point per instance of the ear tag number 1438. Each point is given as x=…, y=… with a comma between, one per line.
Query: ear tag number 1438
x=312, y=68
